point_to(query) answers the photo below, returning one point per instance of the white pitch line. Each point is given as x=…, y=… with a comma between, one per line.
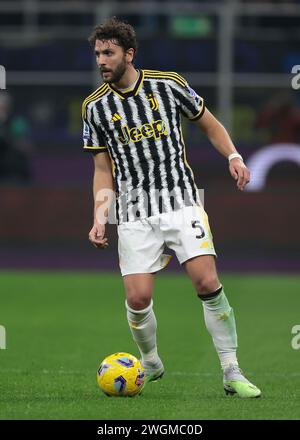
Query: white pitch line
x=169, y=373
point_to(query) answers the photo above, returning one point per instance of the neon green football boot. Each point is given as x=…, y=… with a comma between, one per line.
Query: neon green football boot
x=235, y=383
x=153, y=372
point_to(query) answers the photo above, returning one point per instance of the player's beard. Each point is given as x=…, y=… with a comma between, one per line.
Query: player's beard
x=117, y=74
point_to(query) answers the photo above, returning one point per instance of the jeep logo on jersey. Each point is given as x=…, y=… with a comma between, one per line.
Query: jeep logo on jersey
x=155, y=129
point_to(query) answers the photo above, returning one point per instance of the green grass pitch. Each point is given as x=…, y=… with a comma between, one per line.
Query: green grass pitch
x=60, y=325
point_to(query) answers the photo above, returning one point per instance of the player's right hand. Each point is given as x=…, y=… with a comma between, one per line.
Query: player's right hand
x=96, y=236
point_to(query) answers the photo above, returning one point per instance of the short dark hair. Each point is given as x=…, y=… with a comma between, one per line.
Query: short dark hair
x=115, y=29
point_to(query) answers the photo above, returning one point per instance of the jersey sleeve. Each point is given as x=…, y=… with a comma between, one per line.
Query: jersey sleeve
x=191, y=105
x=93, y=139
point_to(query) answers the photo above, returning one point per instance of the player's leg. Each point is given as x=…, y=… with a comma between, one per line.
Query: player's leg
x=218, y=314
x=142, y=320
x=141, y=255
x=220, y=322
x=190, y=237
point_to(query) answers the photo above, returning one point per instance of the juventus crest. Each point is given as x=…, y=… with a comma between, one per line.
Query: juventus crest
x=153, y=101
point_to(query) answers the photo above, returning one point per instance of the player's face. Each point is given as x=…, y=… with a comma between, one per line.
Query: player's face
x=111, y=60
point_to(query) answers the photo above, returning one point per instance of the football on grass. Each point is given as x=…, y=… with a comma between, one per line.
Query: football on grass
x=121, y=375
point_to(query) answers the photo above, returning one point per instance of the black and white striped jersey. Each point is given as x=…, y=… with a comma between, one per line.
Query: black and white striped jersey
x=141, y=131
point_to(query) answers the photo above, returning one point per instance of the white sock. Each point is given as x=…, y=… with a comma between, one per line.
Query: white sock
x=220, y=322
x=143, y=326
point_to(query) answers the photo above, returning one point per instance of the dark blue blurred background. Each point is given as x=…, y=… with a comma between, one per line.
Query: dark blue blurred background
x=237, y=55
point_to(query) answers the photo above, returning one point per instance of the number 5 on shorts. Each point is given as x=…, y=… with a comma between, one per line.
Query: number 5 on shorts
x=196, y=224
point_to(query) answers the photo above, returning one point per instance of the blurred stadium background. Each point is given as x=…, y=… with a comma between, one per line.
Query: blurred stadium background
x=239, y=55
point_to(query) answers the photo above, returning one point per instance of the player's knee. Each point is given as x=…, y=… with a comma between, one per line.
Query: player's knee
x=138, y=303
x=138, y=300
x=207, y=284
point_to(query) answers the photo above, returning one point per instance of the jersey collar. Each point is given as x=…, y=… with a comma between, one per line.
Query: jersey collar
x=132, y=92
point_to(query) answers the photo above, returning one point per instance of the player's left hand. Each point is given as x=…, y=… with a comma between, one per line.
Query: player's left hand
x=239, y=172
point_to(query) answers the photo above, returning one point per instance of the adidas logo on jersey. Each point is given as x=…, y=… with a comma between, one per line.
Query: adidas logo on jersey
x=116, y=117
x=155, y=129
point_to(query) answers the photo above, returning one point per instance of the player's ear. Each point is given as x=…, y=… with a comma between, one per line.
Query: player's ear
x=129, y=55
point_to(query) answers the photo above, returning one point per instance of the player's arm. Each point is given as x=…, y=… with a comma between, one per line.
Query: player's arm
x=103, y=191
x=192, y=106
x=220, y=139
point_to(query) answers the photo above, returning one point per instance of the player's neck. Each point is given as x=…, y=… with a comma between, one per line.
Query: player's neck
x=130, y=77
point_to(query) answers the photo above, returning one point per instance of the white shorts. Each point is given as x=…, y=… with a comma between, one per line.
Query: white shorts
x=141, y=243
